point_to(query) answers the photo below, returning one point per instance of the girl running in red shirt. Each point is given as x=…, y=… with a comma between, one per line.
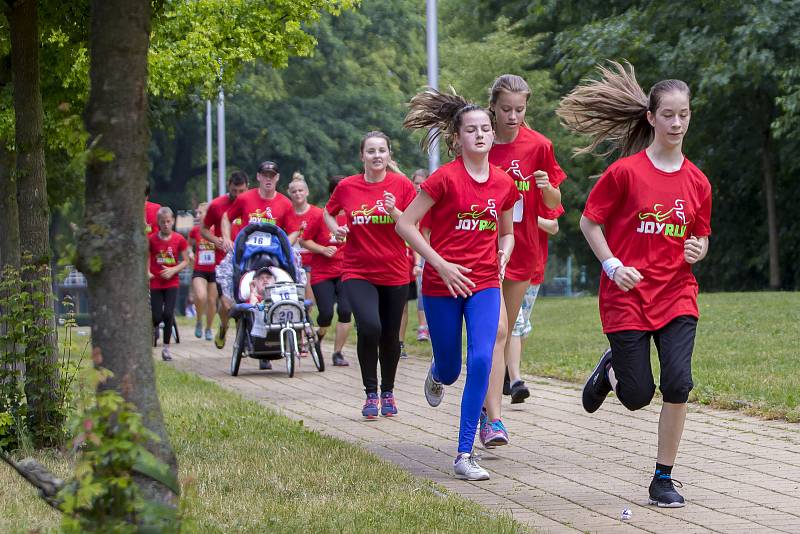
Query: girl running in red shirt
x=470, y=204
x=647, y=220
x=527, y=156
x=204, y=281
x=375, y=268
x=169, y=255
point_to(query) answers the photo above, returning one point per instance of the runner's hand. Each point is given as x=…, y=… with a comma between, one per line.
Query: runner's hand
x=416, y=271
x=389, y=202
x=341, y=233
x=542, y=180
x=150, y=275
x=328, y=252
x=626, y=278
x=692, y=248
x=502, y=261
x=219, y=243
x=227, y=244
x=454, y=277
x=168, y=272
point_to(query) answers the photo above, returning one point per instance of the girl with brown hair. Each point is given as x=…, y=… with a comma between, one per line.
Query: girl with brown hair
x=527, y=156
x=469, y=203
x=647, y=219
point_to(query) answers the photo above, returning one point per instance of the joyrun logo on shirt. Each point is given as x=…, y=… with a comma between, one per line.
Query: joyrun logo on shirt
x=367, y=215
x=471, y=220
x=653, y=222
x=520, y=180
x=166, y=257
x=260, y=216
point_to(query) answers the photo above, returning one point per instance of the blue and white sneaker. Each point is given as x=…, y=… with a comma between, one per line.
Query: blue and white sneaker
x=388, y=406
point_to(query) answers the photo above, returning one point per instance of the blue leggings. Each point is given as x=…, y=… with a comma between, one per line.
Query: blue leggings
x=481, y=312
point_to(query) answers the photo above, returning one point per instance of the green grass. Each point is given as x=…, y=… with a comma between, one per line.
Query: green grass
x=246, y=469
x=745, y=357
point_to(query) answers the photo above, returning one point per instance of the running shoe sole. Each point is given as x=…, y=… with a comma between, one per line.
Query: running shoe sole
x=592, y=400
x=518, y=395
x=665, y=504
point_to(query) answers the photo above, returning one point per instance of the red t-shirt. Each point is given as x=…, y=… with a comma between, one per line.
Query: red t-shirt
x=251, y=208
x=165, y=253
x=464, y=222
x=213, y=220
x=151, y=217
x=205, y=257
x=322, y=267
x=545, y=213
x=295, y=222
x=374, y=250
x=528, y=153
x=647, y=216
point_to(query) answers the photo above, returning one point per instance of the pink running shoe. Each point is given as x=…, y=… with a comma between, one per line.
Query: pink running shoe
x=492, y=433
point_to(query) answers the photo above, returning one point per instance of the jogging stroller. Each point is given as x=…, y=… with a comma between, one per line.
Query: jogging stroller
x=278, y=324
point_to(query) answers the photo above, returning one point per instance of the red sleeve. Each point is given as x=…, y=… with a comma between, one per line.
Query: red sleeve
x=409, y=193
x=287, y=217
x=311, y=232
x=552, y=214
x=434, y=186
x=702, y=225
x=194, y=233
x=511, y=197
x=334, y=205
x=235, y=211
x=603, y=198
x=292, y=223
x=555, y=173
x=212, y=217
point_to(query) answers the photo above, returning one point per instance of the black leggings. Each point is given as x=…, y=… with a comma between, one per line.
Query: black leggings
x=378, y=311
x=327, y=293
x=162, y=306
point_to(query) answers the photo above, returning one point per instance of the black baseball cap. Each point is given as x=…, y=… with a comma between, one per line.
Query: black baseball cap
x=267, y=167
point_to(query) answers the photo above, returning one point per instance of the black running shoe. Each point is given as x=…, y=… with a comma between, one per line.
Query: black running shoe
x=597, y=387
x=506, y=384
x=339, y=360
x=663, y=493
x=264, y=365
x=519, y=392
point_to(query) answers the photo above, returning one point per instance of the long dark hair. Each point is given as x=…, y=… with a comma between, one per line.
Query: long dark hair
x=440, y=114
x=614, y=109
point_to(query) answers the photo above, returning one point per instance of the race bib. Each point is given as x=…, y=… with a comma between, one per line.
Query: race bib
x=518, y=210
x=283, y=293
x=206, y=257
x=259, y=238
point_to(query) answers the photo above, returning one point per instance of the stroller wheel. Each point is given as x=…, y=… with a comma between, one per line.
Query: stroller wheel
x=316, y=354
x=238, y=348
x=290, y=355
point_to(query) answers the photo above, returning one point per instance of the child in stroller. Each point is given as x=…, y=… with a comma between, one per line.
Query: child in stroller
x=272, y=319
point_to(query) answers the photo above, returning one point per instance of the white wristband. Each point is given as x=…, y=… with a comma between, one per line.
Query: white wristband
x=610, y=266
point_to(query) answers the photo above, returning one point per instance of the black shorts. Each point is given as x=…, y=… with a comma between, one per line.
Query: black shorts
x=208, y=276
x=412, y=290
x=630, y=359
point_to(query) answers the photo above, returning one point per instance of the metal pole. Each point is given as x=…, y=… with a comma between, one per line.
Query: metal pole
x=433, y=70
x=221, y=141
x=209, y=155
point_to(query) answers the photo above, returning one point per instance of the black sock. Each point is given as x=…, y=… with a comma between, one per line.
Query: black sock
x=663, y=470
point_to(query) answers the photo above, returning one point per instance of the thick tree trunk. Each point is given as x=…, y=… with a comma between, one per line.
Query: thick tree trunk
x=9, y=222
x=112, y=246
x=41, y=353
x=768, y=170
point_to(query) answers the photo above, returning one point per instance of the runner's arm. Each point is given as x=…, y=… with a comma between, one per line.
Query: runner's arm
x=549, y=226
x=225, y=225
x=208, y=235
x=506, y=241
x=625, y=277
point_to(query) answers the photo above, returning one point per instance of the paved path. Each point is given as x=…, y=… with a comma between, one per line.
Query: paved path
x=565, y=471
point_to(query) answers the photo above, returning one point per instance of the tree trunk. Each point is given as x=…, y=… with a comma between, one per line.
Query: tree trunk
x=768, y=170
x=112, y=245
x=41, y=352
x=9, y=236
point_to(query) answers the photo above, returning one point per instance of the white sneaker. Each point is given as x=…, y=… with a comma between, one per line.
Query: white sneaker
x=434, y=390
x=466, y=468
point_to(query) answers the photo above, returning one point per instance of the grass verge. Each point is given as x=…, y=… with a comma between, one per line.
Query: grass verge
x=247, y=469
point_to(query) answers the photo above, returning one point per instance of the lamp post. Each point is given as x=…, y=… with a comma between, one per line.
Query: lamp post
x=433, y=70
x=221, y=134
